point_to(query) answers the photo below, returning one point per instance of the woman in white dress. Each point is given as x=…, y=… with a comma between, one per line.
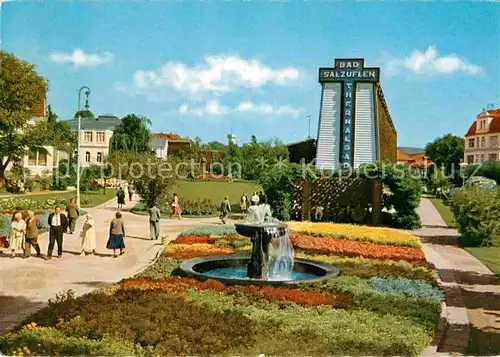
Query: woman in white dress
x=88, y=240
x=17, y=234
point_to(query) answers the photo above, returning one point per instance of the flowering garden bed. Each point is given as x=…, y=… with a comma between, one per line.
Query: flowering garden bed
x=384, y=303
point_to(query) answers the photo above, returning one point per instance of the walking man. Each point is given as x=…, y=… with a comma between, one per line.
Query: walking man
x=58, y=225
x=154, y=222
x=225, y=208
x=73, y=214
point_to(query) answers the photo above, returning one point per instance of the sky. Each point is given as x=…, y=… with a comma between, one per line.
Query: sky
x=210, y=68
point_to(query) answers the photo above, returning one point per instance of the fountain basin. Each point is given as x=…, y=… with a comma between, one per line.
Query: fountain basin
x=232, y=270
x=249, y=230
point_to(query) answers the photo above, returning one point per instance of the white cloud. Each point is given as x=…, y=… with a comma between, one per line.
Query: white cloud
x=429, y=62
x=79, y=58
x=183, y=108
x=217, y=74
x=214, y=108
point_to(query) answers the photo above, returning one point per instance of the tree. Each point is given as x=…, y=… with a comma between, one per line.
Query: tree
x=447, y=151
x=84, y=114
x=132, y=135
x=232, y=160
x=20, y=89
x=153, y=178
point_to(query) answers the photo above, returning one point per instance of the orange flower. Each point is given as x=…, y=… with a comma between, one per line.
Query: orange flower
x=321, y=245
x=177, y=285
x=194, y=239
x=188, y=251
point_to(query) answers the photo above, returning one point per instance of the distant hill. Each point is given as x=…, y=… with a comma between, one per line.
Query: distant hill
x=410, y=150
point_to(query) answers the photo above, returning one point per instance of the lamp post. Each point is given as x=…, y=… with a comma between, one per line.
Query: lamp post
x=87, y=93
x=309, y=135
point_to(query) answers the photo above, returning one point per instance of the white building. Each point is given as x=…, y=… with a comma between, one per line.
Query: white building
x=482, y=140
x=95, y=136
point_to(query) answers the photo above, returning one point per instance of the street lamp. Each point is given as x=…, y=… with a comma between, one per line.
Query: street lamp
x=309, y=135
x=87, y=93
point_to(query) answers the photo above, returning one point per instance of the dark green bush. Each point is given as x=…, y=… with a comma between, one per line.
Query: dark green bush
x=477, y=214
x=47, y=341
x=169, y=323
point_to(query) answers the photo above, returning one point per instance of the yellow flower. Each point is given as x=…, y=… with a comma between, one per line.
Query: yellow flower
x=378, y=235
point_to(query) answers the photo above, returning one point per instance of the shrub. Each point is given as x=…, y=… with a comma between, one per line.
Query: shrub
x=477, y=214
x=413, y=288
x=376, y=235
x=355, y=249
x=368, y=268
x=199, y=207
x=170, y=324
x=48, y=341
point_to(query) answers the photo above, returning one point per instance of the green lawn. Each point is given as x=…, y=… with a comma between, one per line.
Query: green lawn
x=215, y=191
x=489, y=256
x=444, y=210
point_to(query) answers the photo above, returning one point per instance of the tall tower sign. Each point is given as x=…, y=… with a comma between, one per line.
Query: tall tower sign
x=348, y=128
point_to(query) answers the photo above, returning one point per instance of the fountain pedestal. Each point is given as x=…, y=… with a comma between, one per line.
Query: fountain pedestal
x=260, y=235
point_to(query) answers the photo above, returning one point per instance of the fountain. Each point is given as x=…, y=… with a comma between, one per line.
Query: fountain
x=261, y=267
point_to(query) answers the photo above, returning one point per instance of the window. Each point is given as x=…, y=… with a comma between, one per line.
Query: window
x=483, y=142
x=494, y=141
x=470, y=159
x=492, y=157
x=32, y=159
x=87, y=136
x=87, y=156
x=42, y=158
x=482, y=124
x=482, y=157
x=99, y=156
x=471, y=142
x=99, y=137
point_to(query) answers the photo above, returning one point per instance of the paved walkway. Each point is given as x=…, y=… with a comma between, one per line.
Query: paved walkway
x=472, y=291
x=27, y=284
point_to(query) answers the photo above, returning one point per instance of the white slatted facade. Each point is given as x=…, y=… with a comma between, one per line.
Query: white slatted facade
x=365, y=140
x=327, y=154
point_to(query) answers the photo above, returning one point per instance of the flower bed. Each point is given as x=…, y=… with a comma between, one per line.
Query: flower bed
x=188, y=251
x=355, y=249
x=377, y=235
x=10, y=204
x=178, y=285
x=383, y=303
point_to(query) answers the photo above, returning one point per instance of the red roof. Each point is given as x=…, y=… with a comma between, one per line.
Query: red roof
x=168, y=136
x=494, y=125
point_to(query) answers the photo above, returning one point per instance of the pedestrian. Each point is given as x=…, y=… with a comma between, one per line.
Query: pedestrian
x=87, y=236
x=244, y=203
x=58, y=225
x=120, y=195
x=176, y=208
x=33, y=225
x=130, y=193
x=17, y=234
x=117, y=235
x=72, y=212
x=154, y=222
x=225, y=208
x=255, y=199
x=125, y=191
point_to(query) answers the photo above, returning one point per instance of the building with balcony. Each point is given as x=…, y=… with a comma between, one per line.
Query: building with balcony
x=483, y=138
x=164, y=144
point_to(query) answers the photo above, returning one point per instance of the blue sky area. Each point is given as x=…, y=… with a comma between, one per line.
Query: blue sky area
x=202, y=69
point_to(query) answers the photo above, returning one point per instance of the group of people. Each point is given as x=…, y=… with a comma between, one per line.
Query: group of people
x=257, y=197
x=225, y=207
x=122, y=193
x=24, y=232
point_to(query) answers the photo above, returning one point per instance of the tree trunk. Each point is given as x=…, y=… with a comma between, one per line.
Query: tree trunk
x=2, y=178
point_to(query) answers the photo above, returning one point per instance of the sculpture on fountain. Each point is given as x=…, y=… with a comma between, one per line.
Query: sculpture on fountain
x=260, y=227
